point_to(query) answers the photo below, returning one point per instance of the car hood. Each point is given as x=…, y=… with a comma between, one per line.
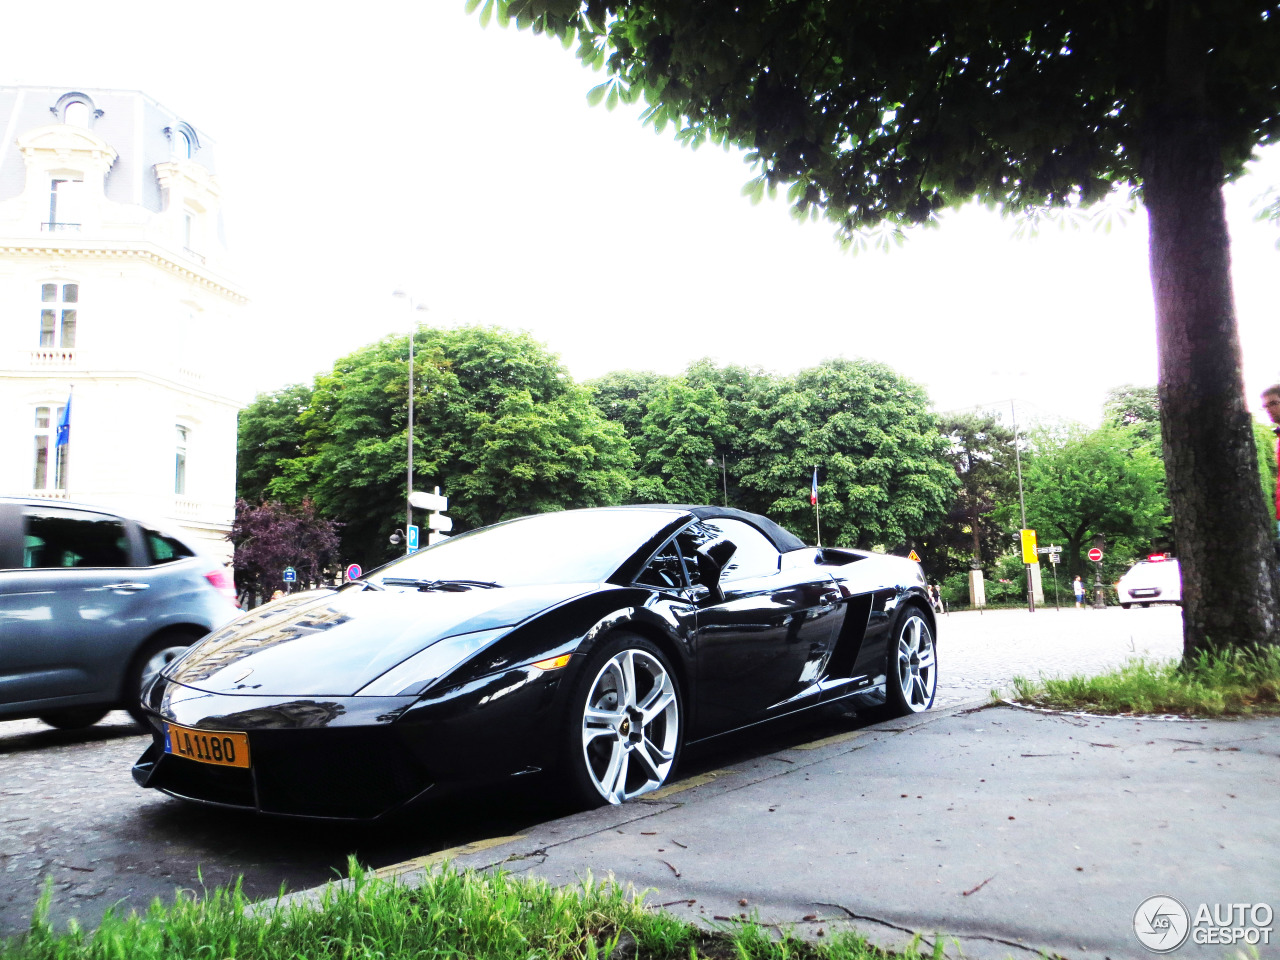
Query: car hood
x=333, y=643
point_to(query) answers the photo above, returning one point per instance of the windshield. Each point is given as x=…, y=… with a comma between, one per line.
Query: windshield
x=573, y=546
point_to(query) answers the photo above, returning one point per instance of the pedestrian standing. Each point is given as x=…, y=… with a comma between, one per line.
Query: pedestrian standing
x=1078, y=587
x=936, y=598
x=1271, y=401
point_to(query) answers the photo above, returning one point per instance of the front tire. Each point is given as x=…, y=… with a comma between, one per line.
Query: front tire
x=76, y=718
x=624, y=731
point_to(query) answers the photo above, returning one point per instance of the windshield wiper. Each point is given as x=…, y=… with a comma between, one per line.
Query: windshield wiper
x=363, y=584
x=449, y=586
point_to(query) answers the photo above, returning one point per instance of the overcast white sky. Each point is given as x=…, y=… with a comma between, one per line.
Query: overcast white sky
x=368, y=147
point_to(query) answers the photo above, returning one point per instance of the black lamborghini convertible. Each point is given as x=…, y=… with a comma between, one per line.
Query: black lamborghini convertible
x=592, y=644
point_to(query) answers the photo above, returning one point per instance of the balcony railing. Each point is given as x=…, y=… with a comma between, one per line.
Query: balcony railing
x=49, y=494
x=192, y=255
x=59, y=227
x=53, y=357
x=185, y=507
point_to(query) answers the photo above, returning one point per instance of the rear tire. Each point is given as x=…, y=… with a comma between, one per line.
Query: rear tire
x=74, y=719
x=1125, y=606
x=910, y=669
x=624, y=727
x=154, y=656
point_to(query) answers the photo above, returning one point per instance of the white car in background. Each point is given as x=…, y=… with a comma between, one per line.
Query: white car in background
x=1158, y=579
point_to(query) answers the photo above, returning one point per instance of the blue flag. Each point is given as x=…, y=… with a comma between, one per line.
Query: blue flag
x=64, y=425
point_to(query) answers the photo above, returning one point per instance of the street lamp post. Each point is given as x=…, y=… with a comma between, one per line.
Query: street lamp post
x=408, y=486
x=1022, y=503
x=724, y=473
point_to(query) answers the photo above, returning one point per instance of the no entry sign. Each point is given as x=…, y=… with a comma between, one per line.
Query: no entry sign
x=1095, y=554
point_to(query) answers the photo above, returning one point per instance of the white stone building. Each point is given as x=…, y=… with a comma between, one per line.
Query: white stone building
x=113, y=292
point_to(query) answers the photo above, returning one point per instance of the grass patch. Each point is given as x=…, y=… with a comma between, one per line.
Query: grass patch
x=449, y=914
x=1231, y=683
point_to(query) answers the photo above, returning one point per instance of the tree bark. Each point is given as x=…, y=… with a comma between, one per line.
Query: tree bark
x=1230, y=586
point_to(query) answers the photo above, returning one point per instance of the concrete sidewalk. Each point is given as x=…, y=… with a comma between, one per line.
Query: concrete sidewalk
x=1012, y=831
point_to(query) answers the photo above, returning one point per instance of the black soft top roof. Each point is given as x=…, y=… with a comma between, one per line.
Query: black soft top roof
x=783, y=539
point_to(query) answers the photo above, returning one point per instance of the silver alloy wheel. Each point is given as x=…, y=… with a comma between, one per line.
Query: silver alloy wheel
x=630, y=726
x=917, y=664
x=157, y=662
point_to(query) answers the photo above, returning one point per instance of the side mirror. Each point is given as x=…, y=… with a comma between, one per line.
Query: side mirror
x=713, y=557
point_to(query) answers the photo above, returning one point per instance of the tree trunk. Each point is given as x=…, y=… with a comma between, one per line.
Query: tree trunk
x=1230, y=587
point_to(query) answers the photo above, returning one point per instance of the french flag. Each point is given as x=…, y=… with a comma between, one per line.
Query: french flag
x=813, y=490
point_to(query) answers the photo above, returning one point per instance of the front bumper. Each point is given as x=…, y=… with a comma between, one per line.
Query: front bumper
x=355, y=757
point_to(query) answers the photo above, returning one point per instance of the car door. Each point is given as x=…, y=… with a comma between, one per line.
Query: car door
x=763, y=632
x=69, y=608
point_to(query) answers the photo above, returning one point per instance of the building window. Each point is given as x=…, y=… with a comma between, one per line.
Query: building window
x=45, y=478
x=180, y=463
x=76, y=113
x=64, y=205
x=58, y=315
x=185, y=148
x=76, y=109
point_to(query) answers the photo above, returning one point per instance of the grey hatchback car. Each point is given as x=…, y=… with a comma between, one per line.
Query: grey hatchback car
x=92, y=605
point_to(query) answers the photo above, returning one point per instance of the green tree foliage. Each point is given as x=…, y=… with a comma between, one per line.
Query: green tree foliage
x=882, y=469
x=880, y=115
x=623, y=396
x=269, y=430
x=498, y=425
x=1265, y=439
x=682, y=431
x=1136, y=407
x=1081, y=484
x=980, y=448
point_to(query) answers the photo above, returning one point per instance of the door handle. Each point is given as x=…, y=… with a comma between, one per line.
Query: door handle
x=127, y=587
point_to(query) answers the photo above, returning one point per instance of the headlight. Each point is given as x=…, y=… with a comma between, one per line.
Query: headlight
x=414, y=675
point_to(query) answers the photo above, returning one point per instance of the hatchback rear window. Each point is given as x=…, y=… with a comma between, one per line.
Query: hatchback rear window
x=162, y=549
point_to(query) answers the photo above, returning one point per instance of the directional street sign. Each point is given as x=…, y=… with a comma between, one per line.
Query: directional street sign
x=1095, y=555
x=412, y=542
x=1054, y=557
x=422, y=500
x=290, y=575
x=439, y=523
x=354, y=571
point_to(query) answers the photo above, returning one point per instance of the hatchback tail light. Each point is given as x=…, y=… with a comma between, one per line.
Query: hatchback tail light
x=219, y=580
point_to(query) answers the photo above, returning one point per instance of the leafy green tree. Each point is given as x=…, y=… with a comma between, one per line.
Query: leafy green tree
x=881, y=114
x=623, y=396
x=682, y=432
x=980, y=449
x=882, y=469
x=1080, y=484
x=269, y=430
x=498, y=425
x=1136, y=407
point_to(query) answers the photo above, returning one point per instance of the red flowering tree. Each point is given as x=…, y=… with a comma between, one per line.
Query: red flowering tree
x=272, y=536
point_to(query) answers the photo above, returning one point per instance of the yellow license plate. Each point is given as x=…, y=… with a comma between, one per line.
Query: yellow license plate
x=207, y=746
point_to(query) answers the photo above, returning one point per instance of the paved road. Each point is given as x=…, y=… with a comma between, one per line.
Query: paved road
x=70, y=813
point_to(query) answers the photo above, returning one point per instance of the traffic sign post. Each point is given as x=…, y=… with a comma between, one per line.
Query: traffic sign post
x=1095, y=554
x=354, y=571
x=290, y=575
x=411, y=539
x=1028, y=558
